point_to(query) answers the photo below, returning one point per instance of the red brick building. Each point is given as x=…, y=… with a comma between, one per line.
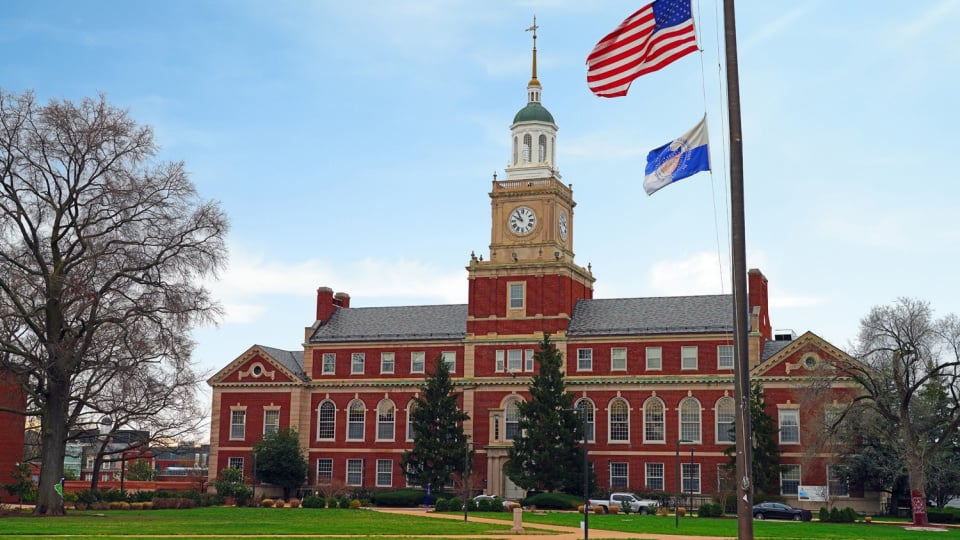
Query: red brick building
x=11, y=430
x=653, y=371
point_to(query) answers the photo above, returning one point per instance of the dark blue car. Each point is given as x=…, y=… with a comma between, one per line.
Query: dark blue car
x=775, y=510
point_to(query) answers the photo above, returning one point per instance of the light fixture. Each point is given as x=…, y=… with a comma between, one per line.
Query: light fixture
x=556, y=255
x=514, y=255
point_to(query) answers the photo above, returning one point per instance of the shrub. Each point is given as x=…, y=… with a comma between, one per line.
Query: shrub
x=86, y=498
x=824, y=514
x=553, y=501
x=332, y=502
x=141, y=496
x=681, y=511
x=403, y=498
x=343, y=502
x=266, y=503
x=170, y=503
x=710, y=510
x=454, y=504
x=440, y=505
x=940, y=516
x=313, y=501
x=355, y=503
x=147, y=505
x=472, y=505
x=848, y=515
x=212, y=499
x=835, y=515
x=294, y=503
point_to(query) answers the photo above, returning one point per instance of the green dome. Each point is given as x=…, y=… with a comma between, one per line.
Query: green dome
x=534, y=112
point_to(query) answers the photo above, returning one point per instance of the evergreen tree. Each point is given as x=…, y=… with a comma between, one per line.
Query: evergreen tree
x=547, y=452
x=280, y=460
x=766, y=449
x=439, y=443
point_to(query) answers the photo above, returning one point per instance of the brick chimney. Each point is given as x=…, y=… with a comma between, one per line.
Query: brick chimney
x=341, y=299
x=757, y=297
x=324, y=303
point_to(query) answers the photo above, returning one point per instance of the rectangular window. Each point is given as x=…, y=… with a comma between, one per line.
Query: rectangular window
x=386, y=362
x=789, y=426
x=691, y=477
x=688, y=357
x=500, y=362
x=238, y=424
x=654, y=359
x=655, y=476
x=450, y=359
x=514, y=360
x=357, y=361
x=619, y=477
x=271, y=421
x=584, y=359
x=235, y=463
x=516, y=295
x=618, y=359
x=725, y=357
x=324, y=469
x=354, y=472
x=838, y=486
x=528, y=359
x=384, y=472
x=329, y=363
x=417, y=361
x=789, y=479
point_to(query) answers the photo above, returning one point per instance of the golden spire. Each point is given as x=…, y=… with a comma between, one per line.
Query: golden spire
x=533, y=80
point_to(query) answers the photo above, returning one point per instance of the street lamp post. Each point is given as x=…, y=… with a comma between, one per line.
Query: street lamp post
x=677, y=487
x=466, y=477
x=586, y=476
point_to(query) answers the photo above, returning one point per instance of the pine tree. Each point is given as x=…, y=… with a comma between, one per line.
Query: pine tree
x=766, y=449
x=280, y=460
x=547, y=453
x=439, y=443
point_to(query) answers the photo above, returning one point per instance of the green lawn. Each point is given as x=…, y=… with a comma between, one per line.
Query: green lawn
x=727, y=527
x=265, y=523
x=234, y=522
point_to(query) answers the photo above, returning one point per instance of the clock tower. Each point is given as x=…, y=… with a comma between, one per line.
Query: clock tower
x=530, y=282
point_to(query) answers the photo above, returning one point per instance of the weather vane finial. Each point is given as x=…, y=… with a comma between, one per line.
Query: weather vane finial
x=534, y=30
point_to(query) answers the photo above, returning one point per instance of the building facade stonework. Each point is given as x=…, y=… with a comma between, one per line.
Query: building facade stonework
x=651, y=371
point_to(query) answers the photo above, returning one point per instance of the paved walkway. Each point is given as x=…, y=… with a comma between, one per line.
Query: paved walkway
x=539, y=530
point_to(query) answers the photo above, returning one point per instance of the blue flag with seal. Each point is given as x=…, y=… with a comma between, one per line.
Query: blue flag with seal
x=685, y=156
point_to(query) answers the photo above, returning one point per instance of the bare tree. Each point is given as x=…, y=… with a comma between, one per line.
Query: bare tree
x=102, y=253
x=909, y=368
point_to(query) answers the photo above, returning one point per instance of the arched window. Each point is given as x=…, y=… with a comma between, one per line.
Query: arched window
x=511, y=421
x=326, y=420
x=516, y=150
x=527, y=147
x=386, y=420
x=585, y=406
x=410, y=407
x=619, y=420
x=690, y=420
x=654, y=421
x=726, y=430
x=356, y=414
x=542, y=149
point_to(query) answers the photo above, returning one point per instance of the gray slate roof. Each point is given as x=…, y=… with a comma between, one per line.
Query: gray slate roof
x=292, y=360
x=394, y=323
x=771, y=348
x=652, y=316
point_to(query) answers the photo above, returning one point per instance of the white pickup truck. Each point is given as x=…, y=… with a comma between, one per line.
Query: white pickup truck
x=620, y=500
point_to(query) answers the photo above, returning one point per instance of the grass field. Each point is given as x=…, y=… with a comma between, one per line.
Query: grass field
x=222, y=523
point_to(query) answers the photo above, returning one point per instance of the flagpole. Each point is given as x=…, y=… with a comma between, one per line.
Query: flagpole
x=741, y=317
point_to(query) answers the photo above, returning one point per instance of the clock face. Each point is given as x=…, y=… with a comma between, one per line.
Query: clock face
x=522, y=220
x=562, y=224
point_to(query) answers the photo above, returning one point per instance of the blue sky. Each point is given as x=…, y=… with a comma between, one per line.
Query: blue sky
x=353, y=144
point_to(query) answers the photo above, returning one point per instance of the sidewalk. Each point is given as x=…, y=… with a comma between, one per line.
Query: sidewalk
x=551, y=532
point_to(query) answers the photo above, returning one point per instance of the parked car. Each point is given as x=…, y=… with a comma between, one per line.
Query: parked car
x=619, y=500
x=775, y=510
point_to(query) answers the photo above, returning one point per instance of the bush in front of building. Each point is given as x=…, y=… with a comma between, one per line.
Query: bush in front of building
x=553, y=501
x=710, y=510
x=836, y=515
x=399, y=498
x=333, y=502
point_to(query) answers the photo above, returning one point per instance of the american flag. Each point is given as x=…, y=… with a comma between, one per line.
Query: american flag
x=646, y=41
